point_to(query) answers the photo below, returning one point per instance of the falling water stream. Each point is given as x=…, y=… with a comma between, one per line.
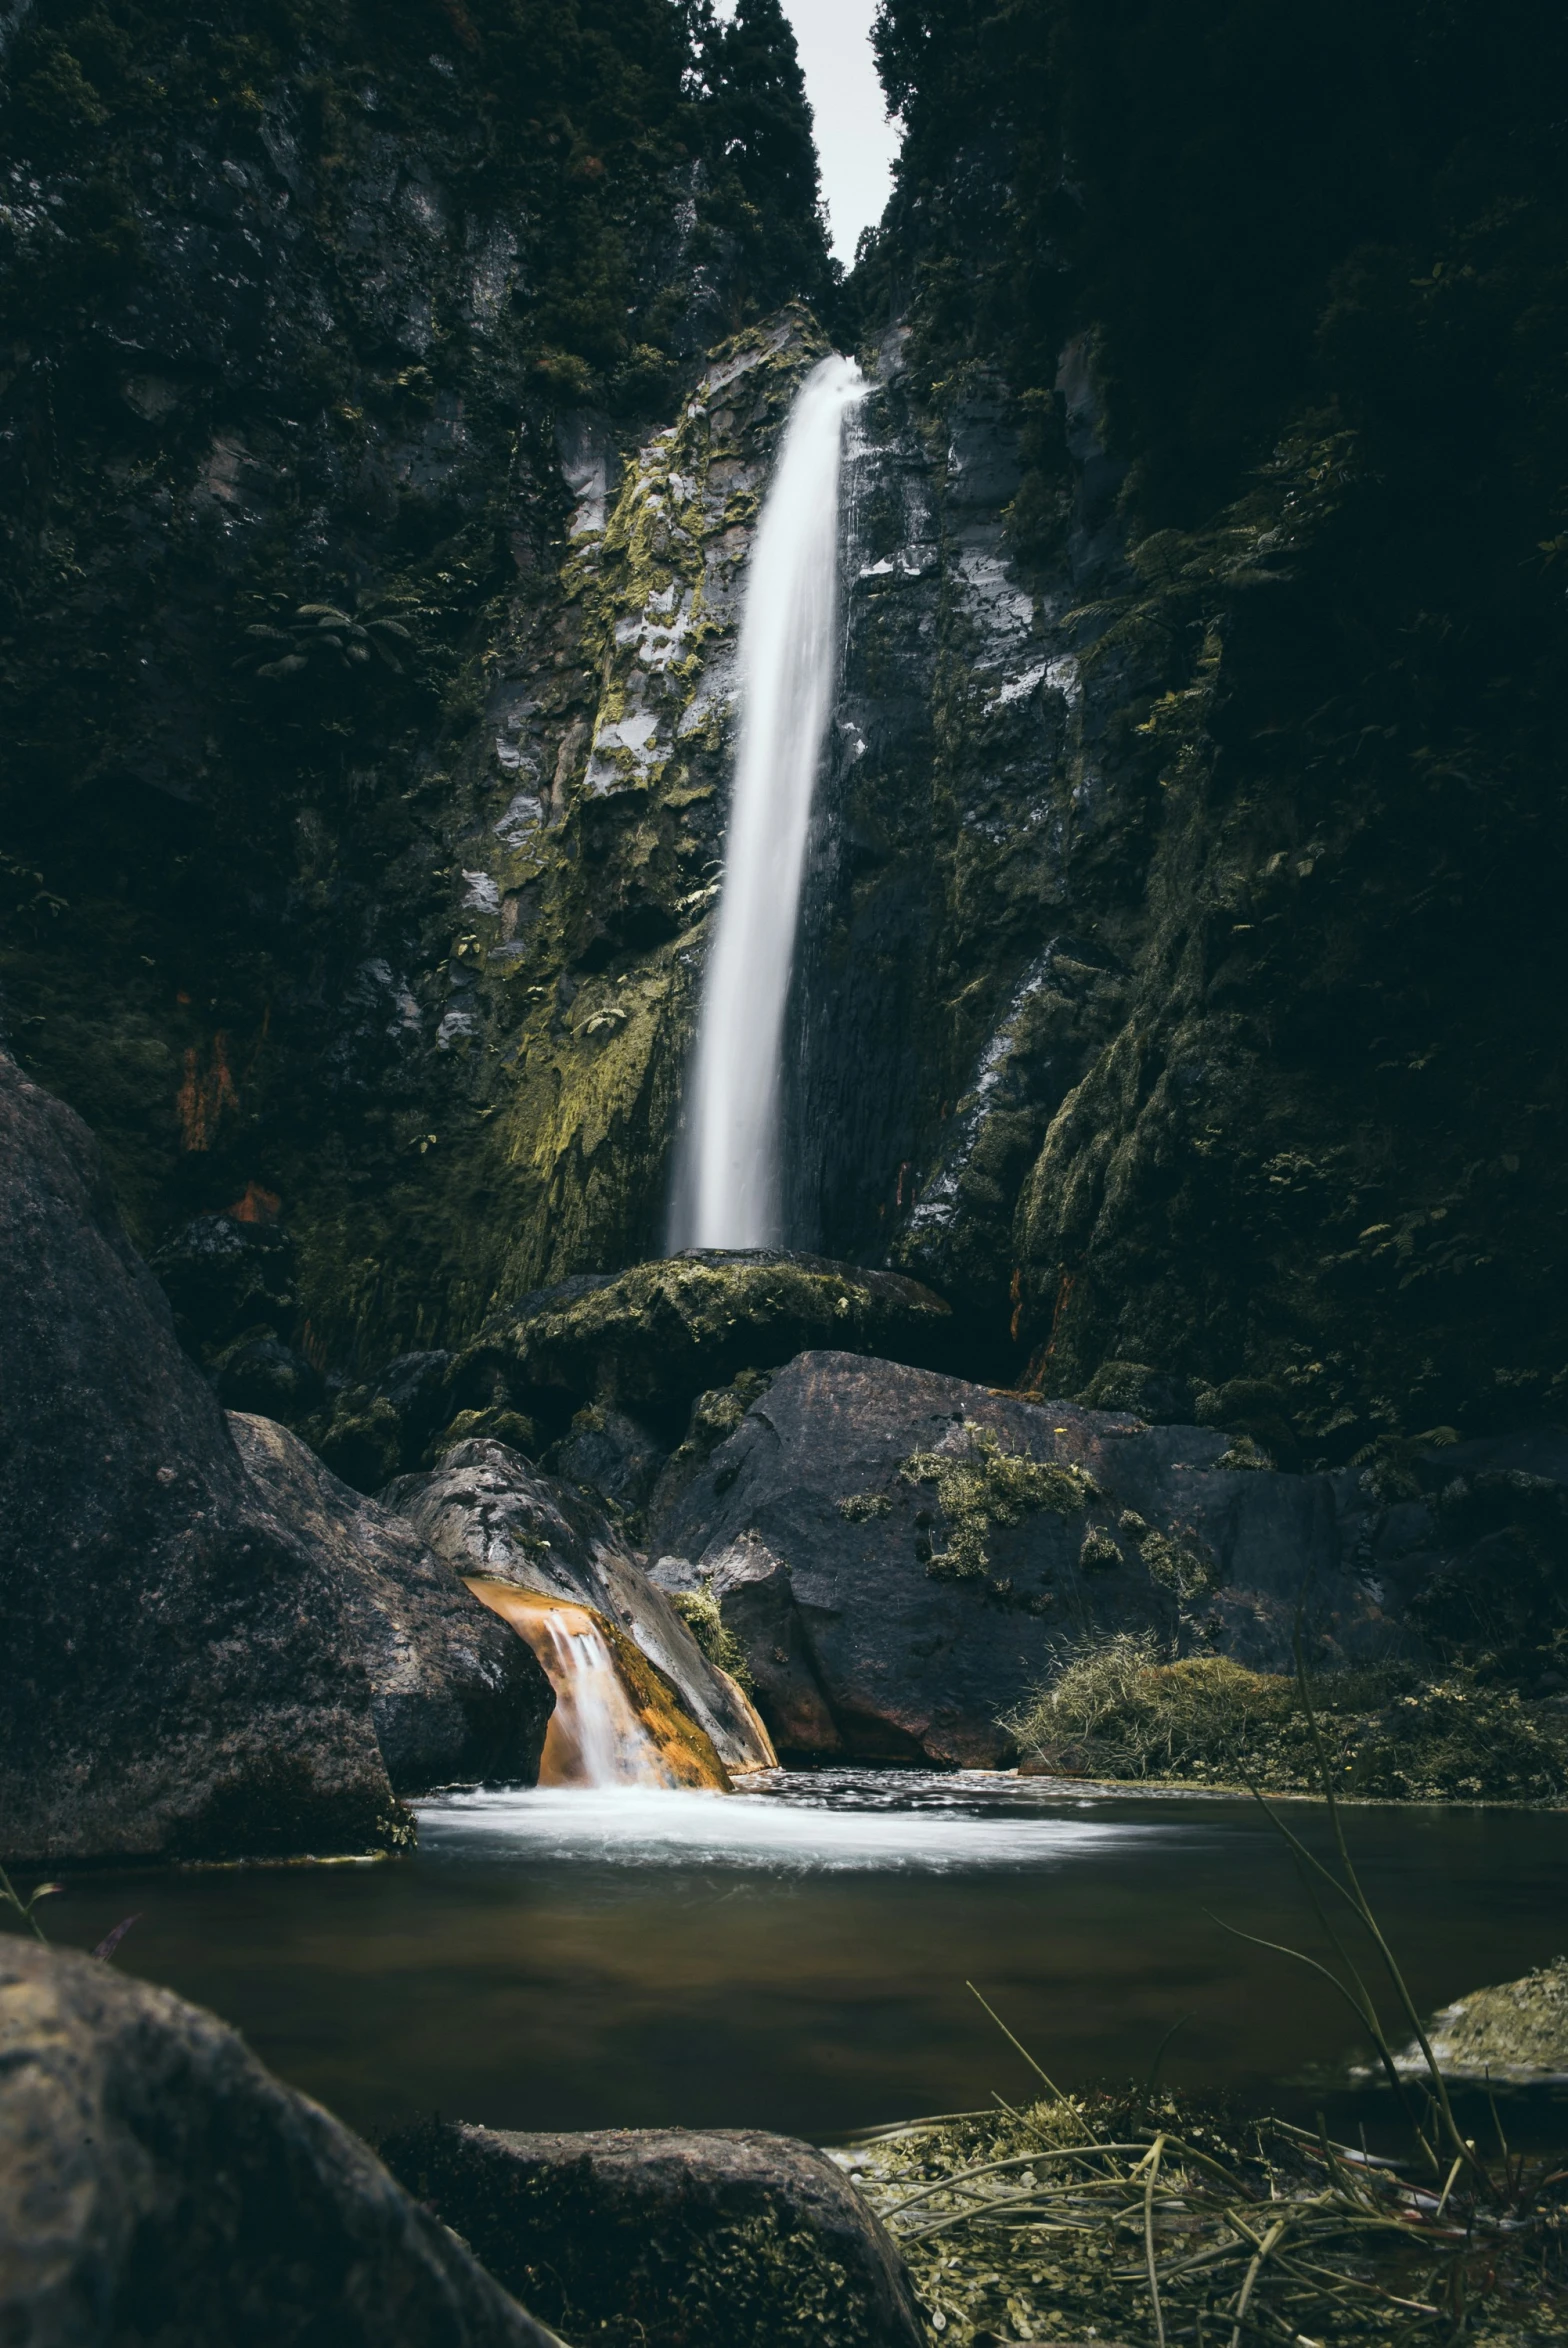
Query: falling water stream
x=727, y=1189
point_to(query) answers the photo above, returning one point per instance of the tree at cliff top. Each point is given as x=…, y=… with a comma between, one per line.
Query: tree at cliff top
x=1319, y=259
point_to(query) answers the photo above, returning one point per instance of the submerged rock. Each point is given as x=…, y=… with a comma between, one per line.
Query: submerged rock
x=157, y=2184
x=652, y=1339
x=489, y=1515
x=663, y=2238
x=902, y=1556
x=455, y=1695
x=178, y=1680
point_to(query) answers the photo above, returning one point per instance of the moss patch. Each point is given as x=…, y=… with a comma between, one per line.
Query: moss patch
x=984, y=1486
x=1115, y=1710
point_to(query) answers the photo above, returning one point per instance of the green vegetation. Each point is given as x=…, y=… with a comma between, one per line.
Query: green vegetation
x=1116, y=1710
x=982, y=1486
x=699, y=1610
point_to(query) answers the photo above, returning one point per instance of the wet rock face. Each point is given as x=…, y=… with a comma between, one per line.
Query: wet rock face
x=486, y=1512
x=953, y=981
x=157, y=2184
x=177, y=1681
x=900, y=1555
x=654, y=2238
x=455, y=1696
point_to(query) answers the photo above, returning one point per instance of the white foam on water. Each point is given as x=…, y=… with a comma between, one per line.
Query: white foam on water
x=914, y=1828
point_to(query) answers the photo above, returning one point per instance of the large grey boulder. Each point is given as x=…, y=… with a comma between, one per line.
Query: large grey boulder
x=485, y=1511
x=158, y=2186
x=901, y=1555
x=455, y=1695
x=664, y=2238
x=176, y=1681
x=210, y=1650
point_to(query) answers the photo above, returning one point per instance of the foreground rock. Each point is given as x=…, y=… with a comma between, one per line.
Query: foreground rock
x=175, y=1677
x=486, y=1512
x=156, y=2184
x=901, y=1555
x=659, y=2238
x=455, y=1696
x=200, y=1661
x=652, y=1339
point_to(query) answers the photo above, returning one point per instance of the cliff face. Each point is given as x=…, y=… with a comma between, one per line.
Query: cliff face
x=1266, y=1082
x=388, y=405
x=328, y=330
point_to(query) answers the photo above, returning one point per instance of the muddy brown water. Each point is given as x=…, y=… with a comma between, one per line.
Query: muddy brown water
x=795, y=1956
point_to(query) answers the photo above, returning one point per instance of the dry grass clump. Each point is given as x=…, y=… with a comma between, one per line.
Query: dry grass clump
x=1116, y=1709
x=1141, y=2220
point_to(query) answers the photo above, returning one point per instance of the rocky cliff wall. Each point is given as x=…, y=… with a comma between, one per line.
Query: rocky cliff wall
x=1178, y=973
x=329, y=335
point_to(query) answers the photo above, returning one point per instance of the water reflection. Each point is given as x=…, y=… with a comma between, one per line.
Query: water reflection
x=795, y=1957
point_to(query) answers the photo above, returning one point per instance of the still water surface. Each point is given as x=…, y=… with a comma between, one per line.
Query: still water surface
x=795, y=1956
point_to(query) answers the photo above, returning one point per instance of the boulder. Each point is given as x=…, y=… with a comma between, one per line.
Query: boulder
x=488, y=1514
x=176, y=1678
x=455, y=1695
x=650, y=1340
x=901, y=1555
x=156, y=2184
x=660, y=2238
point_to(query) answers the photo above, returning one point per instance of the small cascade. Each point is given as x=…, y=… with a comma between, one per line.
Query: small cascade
x=614, y=1723
x=728, y=1190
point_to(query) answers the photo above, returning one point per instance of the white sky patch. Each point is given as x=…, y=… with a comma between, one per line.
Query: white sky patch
x=856, y=143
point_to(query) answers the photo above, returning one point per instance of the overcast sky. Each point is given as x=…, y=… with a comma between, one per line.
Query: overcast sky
x=855, y=140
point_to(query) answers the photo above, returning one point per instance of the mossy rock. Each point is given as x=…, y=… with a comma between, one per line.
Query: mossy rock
x=668, y=2238
x=1515, y=2031
x=652, y=1339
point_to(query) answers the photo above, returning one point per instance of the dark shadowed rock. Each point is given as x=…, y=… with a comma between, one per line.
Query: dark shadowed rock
x=157, y=2185
x=225, y=1277
x=176, y=1676
x=376, y=1430
x=652, y=1339
x=610, y=1455
x=485, y=1511
x=901, y=1554
x=455, y=1695
x=659, y=2238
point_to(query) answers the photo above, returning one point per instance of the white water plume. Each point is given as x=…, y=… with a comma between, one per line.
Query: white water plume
x=728, y=1188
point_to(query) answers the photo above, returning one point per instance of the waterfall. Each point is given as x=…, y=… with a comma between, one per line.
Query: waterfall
x=602, y=1732
x=727, y=1190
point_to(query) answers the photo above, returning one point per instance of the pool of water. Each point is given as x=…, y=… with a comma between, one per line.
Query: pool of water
x=795, y=1956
